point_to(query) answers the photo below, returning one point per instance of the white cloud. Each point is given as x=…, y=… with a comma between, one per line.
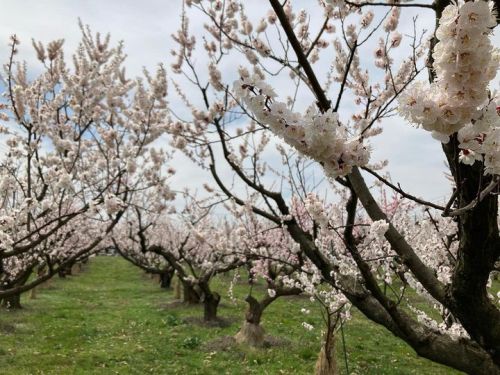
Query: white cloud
x=145, y=27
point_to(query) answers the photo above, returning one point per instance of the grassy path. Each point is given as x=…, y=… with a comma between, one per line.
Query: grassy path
x=111, y=319
x=97, y=322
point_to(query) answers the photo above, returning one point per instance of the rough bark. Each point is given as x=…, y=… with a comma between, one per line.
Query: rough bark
x=479, y=250
x=250, y=334
x=255, y=309
x=326, y=364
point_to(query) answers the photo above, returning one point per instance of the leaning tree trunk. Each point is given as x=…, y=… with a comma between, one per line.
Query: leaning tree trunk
x=252, y=333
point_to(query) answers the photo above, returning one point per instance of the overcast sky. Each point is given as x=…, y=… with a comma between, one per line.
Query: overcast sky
x=415, y=158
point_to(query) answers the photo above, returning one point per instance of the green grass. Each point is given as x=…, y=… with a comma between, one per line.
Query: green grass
x=112, y=319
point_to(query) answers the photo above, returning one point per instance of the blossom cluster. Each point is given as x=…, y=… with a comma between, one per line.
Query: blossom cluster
x=318, y=135
x=458, y=100
x=480, y=140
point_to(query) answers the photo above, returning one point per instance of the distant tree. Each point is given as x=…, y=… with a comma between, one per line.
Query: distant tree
x=78, y=145
x=195, y=245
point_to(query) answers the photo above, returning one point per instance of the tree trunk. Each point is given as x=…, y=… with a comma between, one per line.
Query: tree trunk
x=166, y=279
x=74, y=269
x=177, y=289
x=68, y=269
x=12, y=302
x=326, y=363
x=478, y=251
x=210, y=302
x=64, y=271
x=252, y=332
x=80, y=266
x=190, y=294
x=41, y=272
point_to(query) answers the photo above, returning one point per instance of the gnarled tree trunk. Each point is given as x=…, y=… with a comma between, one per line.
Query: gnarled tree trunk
x=252, y=333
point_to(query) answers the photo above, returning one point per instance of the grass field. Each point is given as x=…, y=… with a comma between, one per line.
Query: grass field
x=113, y=319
